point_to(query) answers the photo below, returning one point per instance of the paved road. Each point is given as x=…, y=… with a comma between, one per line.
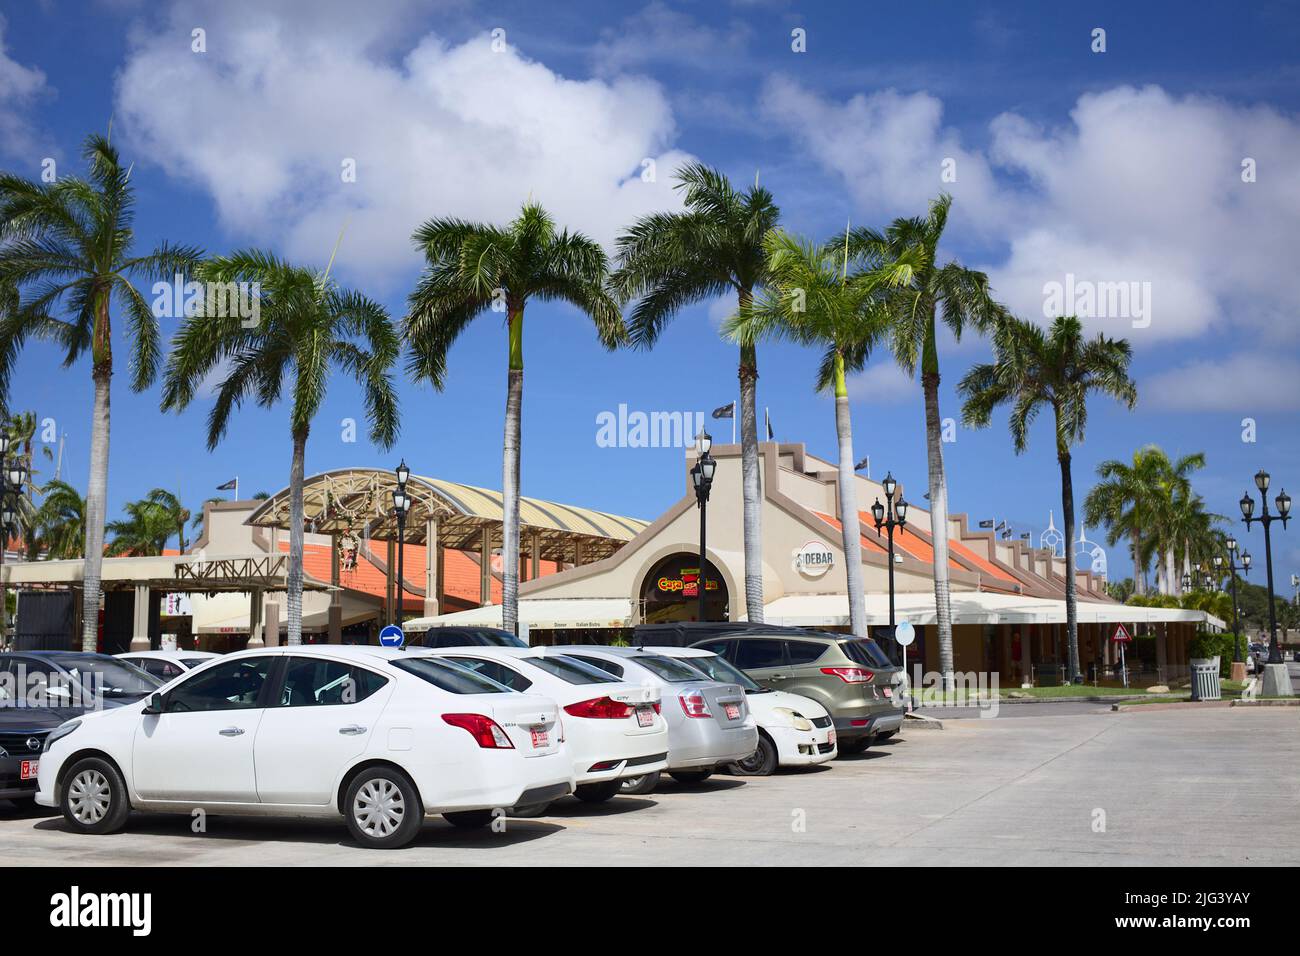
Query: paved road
x=1069, y=708
x=984, y=792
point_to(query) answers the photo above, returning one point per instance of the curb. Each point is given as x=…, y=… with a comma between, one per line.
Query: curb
x=1178, y=705
x=1268, y=702
x=922, y=722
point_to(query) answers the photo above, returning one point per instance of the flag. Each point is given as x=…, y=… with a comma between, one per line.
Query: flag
x=987, y=524
x=1025, y=536
x=767, y=419
x=725, y=411
x=1002, y=526
x=231, y=485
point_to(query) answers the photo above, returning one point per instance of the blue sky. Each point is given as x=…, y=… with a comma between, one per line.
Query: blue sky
x=1115, y=166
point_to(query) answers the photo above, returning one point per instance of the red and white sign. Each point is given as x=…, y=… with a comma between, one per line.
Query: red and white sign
x=1121, y=634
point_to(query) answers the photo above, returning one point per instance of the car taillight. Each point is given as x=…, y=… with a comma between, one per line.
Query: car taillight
x=850, y=675
x=600, y=707
x=485, y=731
x=694, y=705
x=658, y=707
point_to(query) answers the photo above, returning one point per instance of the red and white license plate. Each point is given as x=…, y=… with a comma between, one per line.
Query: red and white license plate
x=27, y=769
x=889, y=692
x=732, y=711
x=540, y=738
x=645, y=716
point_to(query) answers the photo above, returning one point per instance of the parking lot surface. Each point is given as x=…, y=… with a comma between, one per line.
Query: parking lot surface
x=1106, y=789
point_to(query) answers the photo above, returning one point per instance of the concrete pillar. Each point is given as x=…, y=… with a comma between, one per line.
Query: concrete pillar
x=579, y=553
x=140, y=619
x=432, y=577
x=334, y=615
x=537, y=557
x=271, y=625
x=485, y=566
x=256, y=638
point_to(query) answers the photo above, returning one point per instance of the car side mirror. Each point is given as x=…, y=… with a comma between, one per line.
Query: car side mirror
x=155, y=706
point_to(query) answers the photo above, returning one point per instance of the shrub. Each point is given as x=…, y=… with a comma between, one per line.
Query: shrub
x=1206, y=644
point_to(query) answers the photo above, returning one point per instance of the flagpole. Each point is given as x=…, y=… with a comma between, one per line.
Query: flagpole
x=735, y=408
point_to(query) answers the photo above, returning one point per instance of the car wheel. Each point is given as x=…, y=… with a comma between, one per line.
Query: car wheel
x=94, y=797
x=469, y=819
x=643, y=784
x=690, y=776
x=761, y=763
x=597, y=792
x=383, y=809
x=856, y=746
x=886, y=735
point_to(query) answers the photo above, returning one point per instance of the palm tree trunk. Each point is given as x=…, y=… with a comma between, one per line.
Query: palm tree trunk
x=96, y=509
x=749, y=471
x=849, y=505
x=293, y=597
x=510, y=477
x=938, y=524
x=1071, y=595
x=1139, y=569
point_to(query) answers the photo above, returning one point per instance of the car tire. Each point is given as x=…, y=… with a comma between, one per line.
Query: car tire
x=597, y=792
x=94, y=797
x=690, y=776
x=469, y=819
x=638, y=786
x=761, y=763
x=857, y=745
x=383, y=809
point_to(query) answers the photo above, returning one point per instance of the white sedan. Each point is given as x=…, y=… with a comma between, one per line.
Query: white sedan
x=166, y=665
x=380, y=737
x=793, y=731
x=612, y=729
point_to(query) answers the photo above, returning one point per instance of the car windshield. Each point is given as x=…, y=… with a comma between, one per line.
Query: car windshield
x=716, y=668
x=450, y=677
x=495, y=638
x=570, y=670
x=118, y=678
x=864, y=650
x=194, y=661
x=667, y=668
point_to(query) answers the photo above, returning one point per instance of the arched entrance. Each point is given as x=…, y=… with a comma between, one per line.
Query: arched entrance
x=670, y=591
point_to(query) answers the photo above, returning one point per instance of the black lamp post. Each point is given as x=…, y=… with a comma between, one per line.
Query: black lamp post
x=1233, y=568
x=12, y=476
x=401, y=506
x=1283, y=502
x=702, y=478
x=890, y=516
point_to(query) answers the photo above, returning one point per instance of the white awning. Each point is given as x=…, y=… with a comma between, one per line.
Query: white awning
x=227, y=613
x=540, y=613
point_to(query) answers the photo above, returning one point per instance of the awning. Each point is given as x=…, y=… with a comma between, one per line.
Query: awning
x=228, y=613
x=540, y=613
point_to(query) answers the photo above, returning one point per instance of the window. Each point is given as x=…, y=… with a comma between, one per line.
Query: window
x=753, y=653
x=194, y=661
x=450, y=677
x=864, y=650
x=715, y=647
x=494, y=670
x=236, y=685
x=715, y=668
x=162, y=669
x=571, y=670
x=804, y=652
x=669, y=669
x=491, y=637
x=312, y=680
x=609, y=667
x=118, y=678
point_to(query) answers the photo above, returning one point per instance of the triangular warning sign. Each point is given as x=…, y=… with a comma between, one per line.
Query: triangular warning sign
x=1121, y=634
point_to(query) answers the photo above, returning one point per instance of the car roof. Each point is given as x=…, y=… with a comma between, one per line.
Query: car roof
x=486, y=649
x=606, y=649
x=168, y=654
x=682, y=651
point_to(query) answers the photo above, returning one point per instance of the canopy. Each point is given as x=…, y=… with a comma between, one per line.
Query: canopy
x=540, y=613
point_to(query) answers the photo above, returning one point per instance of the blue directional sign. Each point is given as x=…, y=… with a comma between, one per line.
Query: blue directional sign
x=392, y=636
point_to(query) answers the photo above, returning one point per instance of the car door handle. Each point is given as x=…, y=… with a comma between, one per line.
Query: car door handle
x=352, y=731
x=777, y=677
x=231, y=731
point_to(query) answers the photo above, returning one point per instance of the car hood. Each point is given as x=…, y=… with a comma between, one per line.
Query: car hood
x=762, y=705
x=35, y=718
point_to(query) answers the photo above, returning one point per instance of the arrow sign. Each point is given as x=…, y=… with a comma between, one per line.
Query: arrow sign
x=392, y=636
x=1121, y=634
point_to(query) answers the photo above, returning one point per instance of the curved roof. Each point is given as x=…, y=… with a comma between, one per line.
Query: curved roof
x=358, y=502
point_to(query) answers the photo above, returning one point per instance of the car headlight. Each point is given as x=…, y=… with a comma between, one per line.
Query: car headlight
x=61, y=731
x=797, y=720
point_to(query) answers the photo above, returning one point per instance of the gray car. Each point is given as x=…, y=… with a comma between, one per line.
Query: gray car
x=709, y=724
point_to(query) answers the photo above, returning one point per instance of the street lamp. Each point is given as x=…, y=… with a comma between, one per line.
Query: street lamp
x=702, y=479
x=13, y=474
x=890, y=516
x=401, y=506
x=1233, y=568
x=1283, y=502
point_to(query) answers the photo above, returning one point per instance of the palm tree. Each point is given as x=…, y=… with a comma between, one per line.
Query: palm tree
x=61, y=521
x=919, y=290
x=810, y=299
x=474, y=268
x=672, y=260
x=144, y=531
x=177, y=513
x=70, y=242
x=307, y=326
x=1054, y=368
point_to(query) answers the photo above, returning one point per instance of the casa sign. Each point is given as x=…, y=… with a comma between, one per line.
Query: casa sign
x=813, y=559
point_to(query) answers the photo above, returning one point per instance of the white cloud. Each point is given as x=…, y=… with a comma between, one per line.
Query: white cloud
x=280, y=100
x=20, y=87
x=883, y=382
x=1248, y=383
x=659, y=34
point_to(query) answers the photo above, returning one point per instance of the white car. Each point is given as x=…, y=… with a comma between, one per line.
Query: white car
x=612, y=729
x=166, y=665
x=378, y=736
x=793, y=730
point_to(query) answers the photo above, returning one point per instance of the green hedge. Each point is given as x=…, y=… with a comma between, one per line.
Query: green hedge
x=1205, y=644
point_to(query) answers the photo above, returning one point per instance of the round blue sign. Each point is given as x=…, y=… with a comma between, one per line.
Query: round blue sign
x=392, y=636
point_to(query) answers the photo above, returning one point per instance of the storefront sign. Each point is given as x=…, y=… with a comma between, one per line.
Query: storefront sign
x=814, y=559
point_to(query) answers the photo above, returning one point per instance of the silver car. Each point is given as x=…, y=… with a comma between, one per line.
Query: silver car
x=709, y=724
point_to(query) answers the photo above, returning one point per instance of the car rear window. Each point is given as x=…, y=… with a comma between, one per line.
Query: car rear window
x=864, y=650
x=571, y=670
x=194, y=661
x=452, y=678
x=756, y=652
x=614, y=670
x=666, y=668
x=715, y=668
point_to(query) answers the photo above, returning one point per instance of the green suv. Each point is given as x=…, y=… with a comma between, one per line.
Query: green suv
x=851, y=677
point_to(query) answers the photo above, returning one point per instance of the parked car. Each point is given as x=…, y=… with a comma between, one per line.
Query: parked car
x=464, y=636
x=709, y=724
x=850, y=676
x=793, y=731
x=612, y=729
x=166, y=665
x=379, y=736
x=22, y=738
x=81, y=679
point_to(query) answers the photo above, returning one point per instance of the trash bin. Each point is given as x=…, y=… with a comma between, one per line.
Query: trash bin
x=1205, y=679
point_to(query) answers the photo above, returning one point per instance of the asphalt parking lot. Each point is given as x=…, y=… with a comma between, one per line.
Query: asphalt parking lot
x=1167, y=787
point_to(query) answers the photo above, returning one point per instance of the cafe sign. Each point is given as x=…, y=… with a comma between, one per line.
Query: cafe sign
x=813, y=559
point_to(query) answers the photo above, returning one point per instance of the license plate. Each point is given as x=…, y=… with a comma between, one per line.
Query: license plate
x=732, y=711
x=645, y=716
x=889, y=692
x=27, y=769
x=540, y=738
